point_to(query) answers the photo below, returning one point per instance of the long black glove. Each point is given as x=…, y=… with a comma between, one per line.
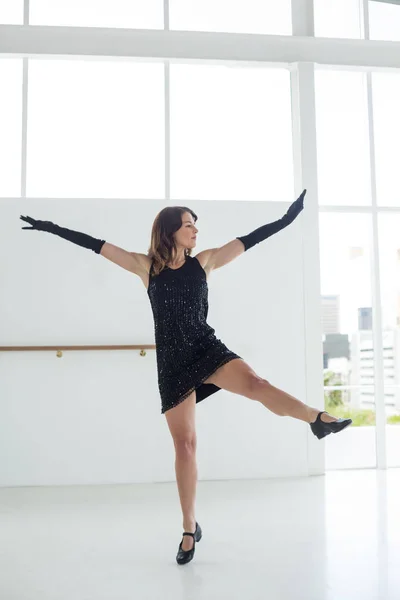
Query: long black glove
x=76, y=237
x=262, y=233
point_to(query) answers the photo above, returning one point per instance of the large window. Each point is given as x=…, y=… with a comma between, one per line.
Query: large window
x=342, y=138
x=231, y=134
x=346, y=245
x=11, y=12
x=332, y=18
x=348, y=344
x=136, y=14
x=384, y=21
x=240, y=16
x=389, y=249
x=386, y=102
x=95, y=129
x=237, y=16
x=10, y=126
x=338, y=18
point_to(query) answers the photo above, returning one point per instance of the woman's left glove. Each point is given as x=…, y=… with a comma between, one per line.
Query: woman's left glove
x=295, y=208
x=264, y=232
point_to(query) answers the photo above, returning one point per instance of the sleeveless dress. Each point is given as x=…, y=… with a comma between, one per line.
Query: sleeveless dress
x=187, y=350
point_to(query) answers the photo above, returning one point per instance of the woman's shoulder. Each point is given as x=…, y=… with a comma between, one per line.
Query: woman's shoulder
x=144, y=261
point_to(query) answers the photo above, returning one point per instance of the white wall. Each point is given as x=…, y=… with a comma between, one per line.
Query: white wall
x=95, y=417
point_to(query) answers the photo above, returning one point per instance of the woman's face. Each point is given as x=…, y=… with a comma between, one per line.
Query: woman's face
x=186, y=235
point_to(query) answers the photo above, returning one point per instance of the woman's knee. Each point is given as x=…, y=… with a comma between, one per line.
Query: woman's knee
x=185, y=445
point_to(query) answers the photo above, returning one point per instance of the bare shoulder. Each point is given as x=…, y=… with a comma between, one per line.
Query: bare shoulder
x=143, y=261
x=143, y=264
x=215, y=258
x=204, y=257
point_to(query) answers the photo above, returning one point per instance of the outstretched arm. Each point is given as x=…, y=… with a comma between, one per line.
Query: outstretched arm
x=81, y=239
x=127, y=260
x=218, y=257
x=264, y=232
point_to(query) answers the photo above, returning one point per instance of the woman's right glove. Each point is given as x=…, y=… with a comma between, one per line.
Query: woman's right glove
x=82, y=239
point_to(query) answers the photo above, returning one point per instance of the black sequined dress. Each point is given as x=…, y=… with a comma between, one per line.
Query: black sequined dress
x=187, y=350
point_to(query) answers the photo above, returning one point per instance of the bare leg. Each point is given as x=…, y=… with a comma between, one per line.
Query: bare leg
x=186, y=477
x=284, y=404
x=181, y=422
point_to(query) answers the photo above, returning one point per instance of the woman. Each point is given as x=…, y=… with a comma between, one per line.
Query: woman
x=192, y=363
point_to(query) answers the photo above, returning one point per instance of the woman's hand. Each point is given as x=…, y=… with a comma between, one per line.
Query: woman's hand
x=38, y=225
x=297, y=206
x=76, y=237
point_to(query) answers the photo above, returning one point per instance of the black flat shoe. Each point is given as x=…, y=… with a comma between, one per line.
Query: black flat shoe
x=321, y=429
x=185, y=556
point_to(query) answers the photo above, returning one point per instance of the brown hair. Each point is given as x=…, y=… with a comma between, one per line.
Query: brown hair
x=166, y=223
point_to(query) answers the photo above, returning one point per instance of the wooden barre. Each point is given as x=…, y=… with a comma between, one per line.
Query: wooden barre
x=61, y=347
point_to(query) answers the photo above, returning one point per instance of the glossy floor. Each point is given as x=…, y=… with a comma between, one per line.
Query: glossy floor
x=332, y=537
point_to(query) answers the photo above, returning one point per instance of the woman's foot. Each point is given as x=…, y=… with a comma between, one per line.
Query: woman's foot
x=322, y=427
x=187, y=540
x=184, y=556
x=325, y=417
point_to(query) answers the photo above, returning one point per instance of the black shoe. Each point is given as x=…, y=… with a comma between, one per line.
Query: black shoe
x=185, y=556
x=321, y=429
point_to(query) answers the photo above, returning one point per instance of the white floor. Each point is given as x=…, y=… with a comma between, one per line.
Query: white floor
x=330, y=537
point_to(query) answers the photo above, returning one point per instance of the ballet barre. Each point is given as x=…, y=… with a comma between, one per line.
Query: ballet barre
x=60, y=348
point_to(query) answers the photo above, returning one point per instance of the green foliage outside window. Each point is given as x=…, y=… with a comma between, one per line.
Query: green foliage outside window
x=335, y=406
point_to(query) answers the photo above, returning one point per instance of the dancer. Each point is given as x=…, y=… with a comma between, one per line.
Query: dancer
x=192, y=363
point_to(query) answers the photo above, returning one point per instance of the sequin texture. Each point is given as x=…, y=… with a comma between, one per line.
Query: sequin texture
x=187, y=350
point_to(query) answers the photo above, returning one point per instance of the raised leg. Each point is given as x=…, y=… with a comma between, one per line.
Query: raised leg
x=238, y=377
x=283, y=404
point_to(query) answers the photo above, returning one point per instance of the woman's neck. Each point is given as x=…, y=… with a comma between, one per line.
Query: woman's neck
x=177, y=260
